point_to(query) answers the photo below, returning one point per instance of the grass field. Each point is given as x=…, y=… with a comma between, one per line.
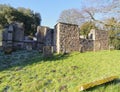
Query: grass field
x=29, y=72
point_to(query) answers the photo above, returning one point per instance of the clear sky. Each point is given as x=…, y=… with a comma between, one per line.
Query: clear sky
x=50, y=9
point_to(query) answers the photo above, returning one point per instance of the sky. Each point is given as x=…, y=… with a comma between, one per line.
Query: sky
x=50, y=10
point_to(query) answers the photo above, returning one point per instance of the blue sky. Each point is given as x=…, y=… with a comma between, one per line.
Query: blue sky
x=50, y=9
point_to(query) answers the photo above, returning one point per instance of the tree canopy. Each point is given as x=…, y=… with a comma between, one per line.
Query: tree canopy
x=86, y=27
x=72, y=16
x=30, y=19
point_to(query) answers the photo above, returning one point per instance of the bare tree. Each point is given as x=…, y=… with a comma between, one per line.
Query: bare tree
x=72, y=16
x=106, y=11
x=90, y=13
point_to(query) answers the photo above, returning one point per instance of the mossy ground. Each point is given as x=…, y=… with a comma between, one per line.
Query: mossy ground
x=24, y=71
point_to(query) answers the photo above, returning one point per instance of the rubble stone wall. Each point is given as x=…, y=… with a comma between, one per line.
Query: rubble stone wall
x=67, y=38
x=13, y=36
x=100, y=38
x=86, y=45
x=18, y=36
x=44, y=37
x=49, y=37
x=101, y=45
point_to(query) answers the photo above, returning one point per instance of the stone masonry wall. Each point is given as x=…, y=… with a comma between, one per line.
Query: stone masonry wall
x=49, y=37
x=44, y=37
x=100, y=39
x=8, y=38
x=66, y=38
x=86, y=45
x=13, y=36
x=18, y=36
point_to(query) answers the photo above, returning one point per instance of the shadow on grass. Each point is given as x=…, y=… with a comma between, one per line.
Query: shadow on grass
x=103, y=86
x=9, y=61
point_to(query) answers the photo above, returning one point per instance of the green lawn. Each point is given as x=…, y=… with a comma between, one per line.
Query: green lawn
x=29, y=72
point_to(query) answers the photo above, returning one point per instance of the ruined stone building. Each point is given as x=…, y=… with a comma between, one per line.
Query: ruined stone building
x=64, y=38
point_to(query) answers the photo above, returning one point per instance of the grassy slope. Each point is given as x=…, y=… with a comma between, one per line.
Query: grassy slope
x=62, y=73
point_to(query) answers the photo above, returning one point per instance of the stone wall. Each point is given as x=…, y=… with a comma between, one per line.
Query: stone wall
x=1, y=37
x=18, y=36
x=100, y=39
x=13, y=36
x=66, y=38
x=4, y=37
x=30, y=45
x=44, y=36
x=49, y=37
x=7, y=41
x=86, y=45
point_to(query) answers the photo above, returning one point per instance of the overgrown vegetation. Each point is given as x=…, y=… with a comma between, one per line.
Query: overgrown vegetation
x=86, y=27
x=25, y=71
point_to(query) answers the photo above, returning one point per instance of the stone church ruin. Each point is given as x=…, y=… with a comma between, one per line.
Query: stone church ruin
x=64, y=38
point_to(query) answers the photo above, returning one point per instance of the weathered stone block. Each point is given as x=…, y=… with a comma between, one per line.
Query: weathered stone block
x=47, y=51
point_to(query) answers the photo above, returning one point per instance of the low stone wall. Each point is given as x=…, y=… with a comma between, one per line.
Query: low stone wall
x=30, y=45
x=86, y=45
x=66, y=38
x=101, y=45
